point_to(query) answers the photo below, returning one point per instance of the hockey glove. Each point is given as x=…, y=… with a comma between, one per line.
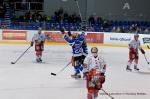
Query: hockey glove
x=69, y=33
x=102, y=74
x=31, y=44
x=48, y=37
x=62, y=30
x=142, y=51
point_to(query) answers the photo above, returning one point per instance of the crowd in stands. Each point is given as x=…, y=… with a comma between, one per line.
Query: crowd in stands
x=2, y=9
x=29, y=17
x=60, y=18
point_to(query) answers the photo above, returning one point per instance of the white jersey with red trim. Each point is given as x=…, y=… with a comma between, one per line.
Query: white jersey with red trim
x=39, y=37
x=97, y=63
x=134, y=44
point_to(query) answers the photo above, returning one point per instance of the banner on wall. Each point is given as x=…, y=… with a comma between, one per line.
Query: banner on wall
x=55, y=36
x=94, y=37
x=14, y=35
x=124, y=38
x=146, y=39
x=117, y=38
x=90, y=37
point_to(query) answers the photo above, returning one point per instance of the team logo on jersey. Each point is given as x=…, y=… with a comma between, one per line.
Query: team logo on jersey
x=146, y=40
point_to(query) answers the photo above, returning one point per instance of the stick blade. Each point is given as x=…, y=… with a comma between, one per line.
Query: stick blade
x=12, y=63
x=148, y=47
x=53, y=74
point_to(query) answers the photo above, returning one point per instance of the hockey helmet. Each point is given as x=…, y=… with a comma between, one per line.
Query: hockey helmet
x=94, y=50
x=136, y=35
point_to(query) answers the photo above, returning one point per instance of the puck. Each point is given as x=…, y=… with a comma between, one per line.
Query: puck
x=12, y=63
x=53, y=74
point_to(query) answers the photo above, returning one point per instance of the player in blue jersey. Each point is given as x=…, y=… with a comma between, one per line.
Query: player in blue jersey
x=77, y=41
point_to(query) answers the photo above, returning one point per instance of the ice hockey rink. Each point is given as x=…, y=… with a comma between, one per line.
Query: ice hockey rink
x=29, y=80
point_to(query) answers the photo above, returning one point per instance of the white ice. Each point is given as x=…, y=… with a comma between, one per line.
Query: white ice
x=29, y=80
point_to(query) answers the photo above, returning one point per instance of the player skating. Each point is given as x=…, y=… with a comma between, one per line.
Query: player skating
x=39, y=40
x=96, y=67
x=76, y=40
x=84, y=49
x=134, y=46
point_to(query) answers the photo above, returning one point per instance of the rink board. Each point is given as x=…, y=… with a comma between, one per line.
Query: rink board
x=92, y=38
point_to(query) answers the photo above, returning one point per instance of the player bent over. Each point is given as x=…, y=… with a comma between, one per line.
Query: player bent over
x=96, y=67
x=134, y=46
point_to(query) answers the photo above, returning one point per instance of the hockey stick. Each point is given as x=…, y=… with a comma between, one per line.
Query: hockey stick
x=146, y=59
x=107, y=94
x=148, y=47
x=55, y=74
x=21, y=55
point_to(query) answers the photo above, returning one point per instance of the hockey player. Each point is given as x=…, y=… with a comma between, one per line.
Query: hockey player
x=96, y=67
x=39, y=39
x=81, y=37
x=134, y=46
x=84, y=44
x=75, y=41
x=84, y=54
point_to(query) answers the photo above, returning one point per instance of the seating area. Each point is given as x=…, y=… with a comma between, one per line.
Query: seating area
x=113, y=26
x=1, y=19
x=60, y=18
x=2, y=9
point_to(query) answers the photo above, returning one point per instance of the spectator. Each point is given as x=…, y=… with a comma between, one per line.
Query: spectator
x=118, y=30
x=99, y=20
x=91, y=20
x=113, y=29
x=2, y=10
x=146, y=31
x=28, y=16
x=106, y=24
x=36, y=17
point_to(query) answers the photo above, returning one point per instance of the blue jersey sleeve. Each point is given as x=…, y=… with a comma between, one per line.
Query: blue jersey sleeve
x=70, y=41
x=82, y=36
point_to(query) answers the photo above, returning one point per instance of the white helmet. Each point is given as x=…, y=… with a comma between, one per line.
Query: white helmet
x=136, y=35
x=39, y=30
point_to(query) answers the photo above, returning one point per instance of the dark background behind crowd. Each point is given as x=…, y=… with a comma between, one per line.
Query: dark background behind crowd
x=61, y=18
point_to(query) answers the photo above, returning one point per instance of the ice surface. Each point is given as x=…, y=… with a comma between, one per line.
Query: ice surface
x=29, y=80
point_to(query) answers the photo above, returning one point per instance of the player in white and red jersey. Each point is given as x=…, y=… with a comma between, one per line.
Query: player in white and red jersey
x=134, y=46
x=39, y=39
x=96, y=68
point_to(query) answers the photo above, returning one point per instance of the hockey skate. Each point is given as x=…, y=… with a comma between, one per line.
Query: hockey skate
x=76, y=76
x=85, y=75
x=128, y=68
x=136, y=68
x=39, y=60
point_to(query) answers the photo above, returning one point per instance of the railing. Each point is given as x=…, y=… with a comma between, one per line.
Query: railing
x=30, y=25
x=32, y=6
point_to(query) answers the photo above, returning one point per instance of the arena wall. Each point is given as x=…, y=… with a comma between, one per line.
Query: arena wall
x=92, y=38
x=108, y=9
